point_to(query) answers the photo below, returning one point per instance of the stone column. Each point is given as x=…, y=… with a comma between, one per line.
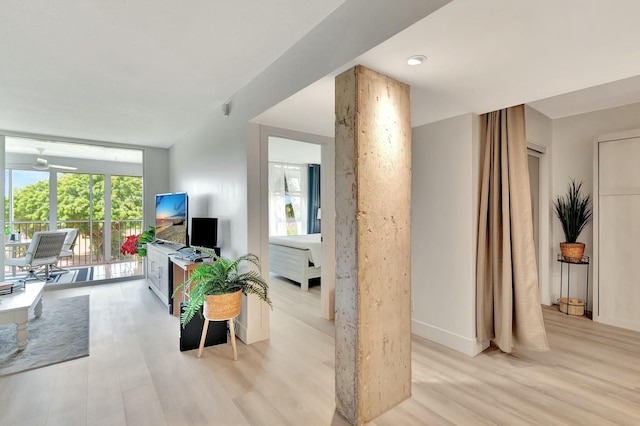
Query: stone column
x=373, y=257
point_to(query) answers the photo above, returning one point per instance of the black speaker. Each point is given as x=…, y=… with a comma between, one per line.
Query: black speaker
x=190, y=335
x=204, y=232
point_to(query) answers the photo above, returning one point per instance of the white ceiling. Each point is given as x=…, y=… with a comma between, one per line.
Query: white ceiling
x=33, y=148
x=487, y=55
x=147, y=72
x=142, y=72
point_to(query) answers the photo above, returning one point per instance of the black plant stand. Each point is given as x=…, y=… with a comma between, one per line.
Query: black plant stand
x=583, y=261
x=190, y=335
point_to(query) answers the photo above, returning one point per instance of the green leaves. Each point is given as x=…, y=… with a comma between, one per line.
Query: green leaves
x=74, y=194
x=222, y=276
x=573, y=210
x=147, y=236
x=144, y=238
x=31, y=203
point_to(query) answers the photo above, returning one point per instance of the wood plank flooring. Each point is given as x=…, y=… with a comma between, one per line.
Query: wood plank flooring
x=136, y=374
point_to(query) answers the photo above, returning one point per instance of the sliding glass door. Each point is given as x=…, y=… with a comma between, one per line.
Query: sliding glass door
x=106, y=209
x=125, y=199
x=80, y=204
x=56, y=185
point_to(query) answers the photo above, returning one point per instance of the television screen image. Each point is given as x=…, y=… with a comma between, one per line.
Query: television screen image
x=171, y=217
x=204, y=232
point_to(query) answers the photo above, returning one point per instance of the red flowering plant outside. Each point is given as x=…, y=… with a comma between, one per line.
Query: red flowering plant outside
x=130, y=246
x=137, y=244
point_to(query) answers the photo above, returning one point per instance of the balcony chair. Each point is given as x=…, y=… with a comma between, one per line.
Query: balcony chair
x=43, y=251
x=71, y=236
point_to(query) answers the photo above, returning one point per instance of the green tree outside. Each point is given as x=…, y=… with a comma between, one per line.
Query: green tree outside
x=126, y=198
x=31, y=202
x=76, y=194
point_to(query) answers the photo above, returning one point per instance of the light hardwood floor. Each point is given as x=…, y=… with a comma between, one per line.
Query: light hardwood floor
x=136, y=375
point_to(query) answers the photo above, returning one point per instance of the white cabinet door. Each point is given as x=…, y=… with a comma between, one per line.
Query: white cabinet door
x=157, y=277
x=618, y=233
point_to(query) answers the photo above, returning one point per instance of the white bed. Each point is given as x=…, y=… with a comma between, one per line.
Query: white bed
x=296, y=257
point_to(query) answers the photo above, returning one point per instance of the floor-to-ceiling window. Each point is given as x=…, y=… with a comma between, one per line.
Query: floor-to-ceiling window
x=126, y=211
x=93, y=188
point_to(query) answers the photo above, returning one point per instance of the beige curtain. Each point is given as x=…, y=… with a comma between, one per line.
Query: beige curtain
x=508, y=303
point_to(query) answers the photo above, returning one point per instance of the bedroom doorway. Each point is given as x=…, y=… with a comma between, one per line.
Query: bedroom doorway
x=300, y=204
x=295, y=239
x=538, y=165
x=534, y=182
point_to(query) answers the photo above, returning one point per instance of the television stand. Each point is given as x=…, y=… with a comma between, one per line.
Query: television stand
x=166, y=270
x=160, y=271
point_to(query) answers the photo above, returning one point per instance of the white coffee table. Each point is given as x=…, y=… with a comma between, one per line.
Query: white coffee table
x=15, y=307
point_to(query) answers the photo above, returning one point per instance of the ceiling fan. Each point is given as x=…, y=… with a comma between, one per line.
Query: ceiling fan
x=42, y=163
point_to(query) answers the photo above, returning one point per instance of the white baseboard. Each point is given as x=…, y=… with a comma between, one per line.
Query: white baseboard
x=446, y=338
x=241, y=331
x=629, y=325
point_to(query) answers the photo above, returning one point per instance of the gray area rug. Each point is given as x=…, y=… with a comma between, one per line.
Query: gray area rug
x=60, y=334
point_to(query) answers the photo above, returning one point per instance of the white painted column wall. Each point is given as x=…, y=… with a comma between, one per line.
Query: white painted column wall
x=445, y=182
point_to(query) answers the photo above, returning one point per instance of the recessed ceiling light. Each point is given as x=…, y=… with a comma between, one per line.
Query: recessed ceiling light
x=416, y=59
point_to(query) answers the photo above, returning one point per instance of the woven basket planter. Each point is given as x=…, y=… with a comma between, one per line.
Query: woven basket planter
x=221, y=307
x=572, y=252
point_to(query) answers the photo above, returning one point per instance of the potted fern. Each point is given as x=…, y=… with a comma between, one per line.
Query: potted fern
x=574, y=211
x=217, y=287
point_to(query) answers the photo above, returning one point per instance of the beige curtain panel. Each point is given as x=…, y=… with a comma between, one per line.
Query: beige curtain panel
x=508, y=302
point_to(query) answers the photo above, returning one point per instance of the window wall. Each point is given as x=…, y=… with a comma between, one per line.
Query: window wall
x=58, y=184
x=105, y=208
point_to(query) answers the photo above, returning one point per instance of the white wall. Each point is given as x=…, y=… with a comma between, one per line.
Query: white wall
x=220, y=162
x=283, y=150
x=210, y=165
x=572, y=151
x=539, y=127
x=155, y=181
x=445, y=182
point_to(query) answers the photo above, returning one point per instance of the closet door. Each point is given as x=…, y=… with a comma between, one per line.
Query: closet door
x=618, y=228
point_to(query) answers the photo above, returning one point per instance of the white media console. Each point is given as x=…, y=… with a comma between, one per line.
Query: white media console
x=168, y=267
x=159, y=269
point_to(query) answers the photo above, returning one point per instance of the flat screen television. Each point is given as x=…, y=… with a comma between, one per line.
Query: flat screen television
x=171, y=217
x=204, y=232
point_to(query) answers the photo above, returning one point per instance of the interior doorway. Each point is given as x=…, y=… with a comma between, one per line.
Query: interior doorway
x=538, y=165
x=534, y=186
x=616, y=206
x=325, y=145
